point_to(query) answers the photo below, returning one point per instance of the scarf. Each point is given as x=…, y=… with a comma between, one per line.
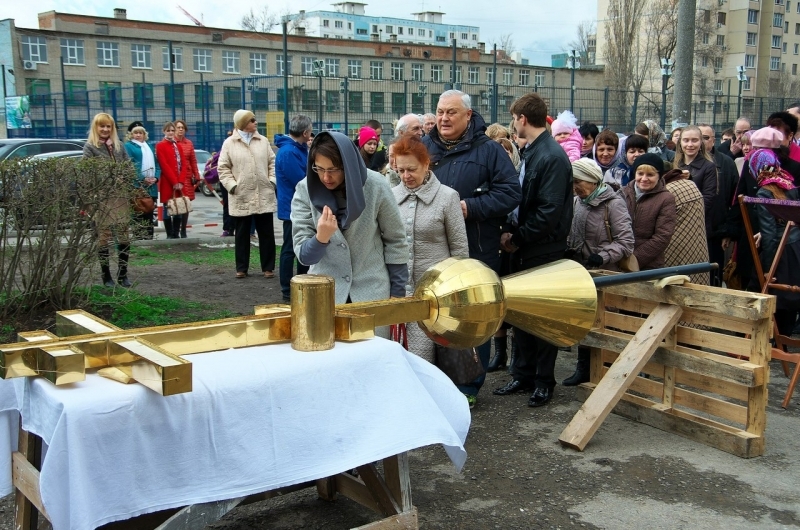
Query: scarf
x=639, y=193
x=598, y=190
x=449, y=144
x=148, y=160
x=245, y=136
x=655, y=136
x=177, y=153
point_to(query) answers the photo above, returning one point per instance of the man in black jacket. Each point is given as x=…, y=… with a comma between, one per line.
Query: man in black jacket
x=465, y=159
x=543, y=222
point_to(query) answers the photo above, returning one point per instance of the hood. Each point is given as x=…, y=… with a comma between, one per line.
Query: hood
x=355, y=176
x=283, y=139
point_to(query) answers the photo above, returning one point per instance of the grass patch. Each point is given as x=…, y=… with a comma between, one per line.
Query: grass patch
x=128, y=308
x=220, y=257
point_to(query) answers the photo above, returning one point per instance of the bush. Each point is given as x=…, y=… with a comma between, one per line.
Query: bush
x=48, y=243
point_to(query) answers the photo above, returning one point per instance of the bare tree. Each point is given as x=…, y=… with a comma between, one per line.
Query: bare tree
x=707, y=52
x=506, y=43
x=261, y=21
x=783, y=85
x=622, y=36
x=585, y=37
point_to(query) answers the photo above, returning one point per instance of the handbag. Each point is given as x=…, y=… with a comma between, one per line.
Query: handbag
x=462, y=366
x=143, y=202
x=179, y=204
x=730, y=275
x=628, y=263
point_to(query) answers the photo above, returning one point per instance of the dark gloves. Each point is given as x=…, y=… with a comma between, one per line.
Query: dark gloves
x=595, y=260
x=571, y=253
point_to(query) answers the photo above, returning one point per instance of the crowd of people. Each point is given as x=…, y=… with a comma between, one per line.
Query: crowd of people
x=375, y=216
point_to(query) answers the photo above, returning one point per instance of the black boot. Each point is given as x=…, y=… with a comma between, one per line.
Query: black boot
x=168, y=226
x=184, y=221
x=581, y=374
x=500, y=358
x=124, y=250
x=107, y=281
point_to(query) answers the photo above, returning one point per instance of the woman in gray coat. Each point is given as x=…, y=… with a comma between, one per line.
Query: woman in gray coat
x=434, y=223
x=346, y=224
x=601, y=234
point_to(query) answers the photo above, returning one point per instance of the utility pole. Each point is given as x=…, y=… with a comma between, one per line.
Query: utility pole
x=285, y=25
x=684, y=61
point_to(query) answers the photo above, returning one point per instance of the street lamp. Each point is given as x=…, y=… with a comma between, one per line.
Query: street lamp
x=666, y=73
x=742, y=77
x=573, y=63
x=319, y=71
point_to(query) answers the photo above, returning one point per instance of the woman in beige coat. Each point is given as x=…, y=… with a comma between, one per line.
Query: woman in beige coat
x=434, y=223
x=247, y=170
x=688, y=243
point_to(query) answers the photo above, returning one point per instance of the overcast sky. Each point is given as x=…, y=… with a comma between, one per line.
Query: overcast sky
x=537, y=31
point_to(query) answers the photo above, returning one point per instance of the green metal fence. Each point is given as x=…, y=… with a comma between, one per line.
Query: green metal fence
x=344, y=104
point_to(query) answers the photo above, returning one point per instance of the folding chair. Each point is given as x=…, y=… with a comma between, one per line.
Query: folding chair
x=789, y=211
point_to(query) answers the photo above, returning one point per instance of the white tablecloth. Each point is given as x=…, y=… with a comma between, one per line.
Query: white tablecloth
x=10, y=398
x=257, y=419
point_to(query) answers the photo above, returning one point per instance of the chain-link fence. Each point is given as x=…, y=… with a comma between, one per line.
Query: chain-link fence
x=344, y=104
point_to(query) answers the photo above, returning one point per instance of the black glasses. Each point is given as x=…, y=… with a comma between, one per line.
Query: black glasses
x=252, y=120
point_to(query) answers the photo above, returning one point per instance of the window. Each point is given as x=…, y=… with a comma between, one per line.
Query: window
x=332, y=67
x=464, y=36
x=376, y=69
x=417, y=103
x=704, y=61
x=720, y=40
x=473, y=75
x=751, y=38
x=309, y=100
x=796, y=49
x=784, y=47
x=420, y=32
x=326, y=23
x=203, y=96
x=490, y=75
x=110, y=94
x=399, y=30
x=108, y=54
x=411, y=32
x=398, y=103
x=457, y=77
x=474, y=36
x=721, y=18
x=375, y=102
x=718, y=63
x=524, y=77
x=338, y=24
x=230, y=62
x=354, y=68
x=72, y=51
x=794, y=69
x=752, y=16
x=705, y=38
x=746, y=84
x=34, y=49
x=180, y=100
x=375, y=29
x=508, y=76
x=706, y=16
x=417, y=72
x=258, y=63
x=750, y=61
x=143, y=92
x=38, y=90
x=390, y=29
x=440, y=38
x=349, y=25
x=76, y=93
x=776, y=41
x=796, y=28
x=437, y=73
x=140, y=56
x=306, y=66
x=201, y=59
x=452, y=35
x=260, y=98
x=331, y=100
x=361, y=31
x=177, y=58
x=774, y=63
x=786, y=28
x=279, y=65
x=355, y=101
x=777, y=20
x=718, y=86
x=398, y=69
x=232, y=97
x=279, y=95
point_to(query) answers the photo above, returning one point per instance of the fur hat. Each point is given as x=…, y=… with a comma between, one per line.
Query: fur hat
x=241, y=118
x=365, y=134
x=648, y=159
x=588, y=170
x=564, y=123
x=766, y=138
x=135, y=124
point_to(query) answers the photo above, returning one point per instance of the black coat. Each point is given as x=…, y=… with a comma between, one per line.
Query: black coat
x=481, y=172
x=703, y=173
x=545, y=213
x=728, y=180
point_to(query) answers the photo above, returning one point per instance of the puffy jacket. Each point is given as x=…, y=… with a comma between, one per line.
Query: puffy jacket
x=545, y=212
x=250, y=169
x=290, y=168
x=165, y=154
x=607, y=207
x=193, y=174
x=482, y=173
x=654, y=217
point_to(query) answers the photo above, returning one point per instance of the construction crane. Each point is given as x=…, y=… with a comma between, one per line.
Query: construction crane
x=196, y=22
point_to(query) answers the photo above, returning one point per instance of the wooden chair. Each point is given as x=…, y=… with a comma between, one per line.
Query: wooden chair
x=789, y=211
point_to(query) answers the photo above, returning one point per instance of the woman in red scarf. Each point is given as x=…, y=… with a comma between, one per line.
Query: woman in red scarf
x=193, y=174
x=174, y=172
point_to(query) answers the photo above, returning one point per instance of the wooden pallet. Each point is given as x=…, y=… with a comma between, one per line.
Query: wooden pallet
x=682, y=337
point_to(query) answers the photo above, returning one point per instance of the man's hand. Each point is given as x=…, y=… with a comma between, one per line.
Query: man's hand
x=506, y=244
x=464, y=208
x=726, y=241
x=757, y=240
x=326, y=226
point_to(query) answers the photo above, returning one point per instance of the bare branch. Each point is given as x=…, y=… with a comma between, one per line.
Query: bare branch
x=261, y=21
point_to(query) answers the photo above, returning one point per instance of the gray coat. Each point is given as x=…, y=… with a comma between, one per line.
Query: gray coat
x=596, y=240
x=435, y=231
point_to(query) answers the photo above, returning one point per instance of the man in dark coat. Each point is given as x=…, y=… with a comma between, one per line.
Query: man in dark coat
x=543, y=222
x=465, y=159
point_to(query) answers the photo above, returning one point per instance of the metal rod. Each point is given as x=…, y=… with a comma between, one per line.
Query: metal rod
x=655, y=274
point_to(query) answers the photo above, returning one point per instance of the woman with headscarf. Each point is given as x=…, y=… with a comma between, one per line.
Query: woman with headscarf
x=656, y=139
x=346, y=223
x=147, y=170
x=246, y=168
x=192, y=175
x=600, y=236
x=688, y=243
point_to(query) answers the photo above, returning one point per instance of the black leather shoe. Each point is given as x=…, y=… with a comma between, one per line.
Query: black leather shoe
x=540, y=397
x=498, y=362
x=512, y=387
x=124, y=281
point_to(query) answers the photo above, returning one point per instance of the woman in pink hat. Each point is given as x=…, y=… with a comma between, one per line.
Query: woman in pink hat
x=367, y=145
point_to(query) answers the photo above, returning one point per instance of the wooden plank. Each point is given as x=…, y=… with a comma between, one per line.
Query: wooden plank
x=725, y=302
x=402, y=521
x=613, y=385
x=668, y=388
x=26, y=479
x=398, y=479
x=378, y=489
x=693, y=427
x=354, y=489
x=26, y=514
x=326, y=488
x=757, y=395
x=707, y=384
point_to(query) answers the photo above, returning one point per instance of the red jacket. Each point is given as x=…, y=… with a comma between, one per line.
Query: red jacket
x=165, y=153
x=187, y=148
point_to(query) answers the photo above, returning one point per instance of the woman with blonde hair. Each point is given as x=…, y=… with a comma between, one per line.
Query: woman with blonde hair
x=112, y=217
x=691, y=156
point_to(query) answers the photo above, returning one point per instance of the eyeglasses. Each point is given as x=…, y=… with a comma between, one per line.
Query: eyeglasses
x=330, y=171
x=252, y=120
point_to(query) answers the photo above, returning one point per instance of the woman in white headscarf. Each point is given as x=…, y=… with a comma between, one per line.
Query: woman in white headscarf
x=147, y=171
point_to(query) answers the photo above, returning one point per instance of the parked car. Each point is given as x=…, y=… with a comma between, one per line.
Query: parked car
x=202, y=158
x=11, y=148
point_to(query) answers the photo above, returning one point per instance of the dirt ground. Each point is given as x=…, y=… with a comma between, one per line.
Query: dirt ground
x=517, y=476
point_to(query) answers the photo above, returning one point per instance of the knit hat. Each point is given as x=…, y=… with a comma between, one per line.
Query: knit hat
x=241, y=118
x=135, y=124
x=587, y=170
x=365, y=134
x=766, y=138
x=564, y=123
x=648, y=159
